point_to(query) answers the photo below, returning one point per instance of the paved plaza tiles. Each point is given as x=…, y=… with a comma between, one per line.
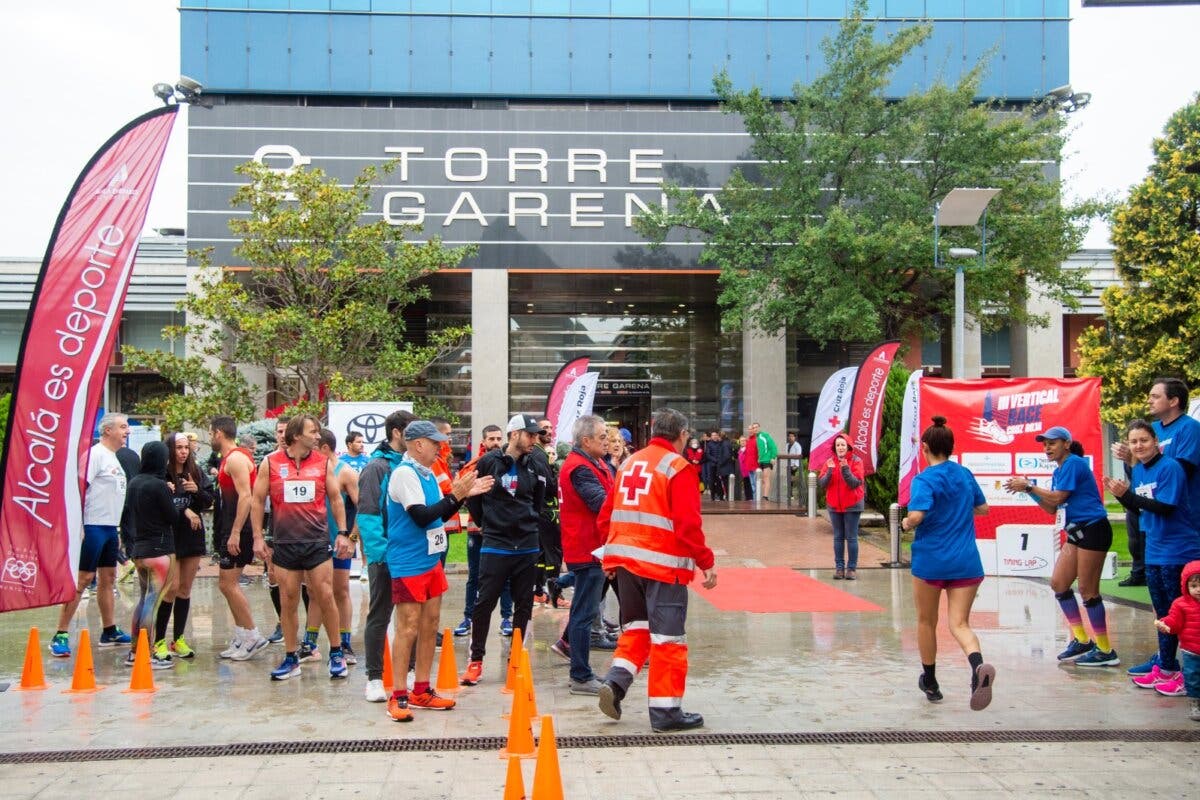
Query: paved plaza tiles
x=796, y=705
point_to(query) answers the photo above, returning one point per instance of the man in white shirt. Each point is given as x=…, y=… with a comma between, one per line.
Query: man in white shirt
x=794, y=448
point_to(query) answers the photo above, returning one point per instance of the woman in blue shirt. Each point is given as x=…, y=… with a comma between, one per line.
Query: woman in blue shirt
x=945, y=498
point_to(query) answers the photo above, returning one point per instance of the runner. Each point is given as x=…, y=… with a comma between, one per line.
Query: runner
x=945, y=559
x=493, y=439
x=355, y=456
x=298, y=480
x=193, y=495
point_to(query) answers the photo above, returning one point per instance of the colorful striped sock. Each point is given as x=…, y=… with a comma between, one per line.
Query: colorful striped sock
x=1070, y=609
x=1099, y=621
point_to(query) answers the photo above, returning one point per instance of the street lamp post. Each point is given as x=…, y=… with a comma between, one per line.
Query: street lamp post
x=960, y=208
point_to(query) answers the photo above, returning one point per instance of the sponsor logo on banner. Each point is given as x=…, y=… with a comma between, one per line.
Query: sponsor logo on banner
x=1034, y=464
x=910, y=435
x=21, y=572
x=557, y=404
x=988, y=463
x=995, y=494
x=833, y=406
x=866, y=406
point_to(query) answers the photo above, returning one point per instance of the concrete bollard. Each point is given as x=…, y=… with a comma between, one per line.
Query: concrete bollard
x=812, y=494
x=894, y=536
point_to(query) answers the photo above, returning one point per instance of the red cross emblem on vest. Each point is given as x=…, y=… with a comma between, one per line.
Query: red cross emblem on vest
x=635, y=482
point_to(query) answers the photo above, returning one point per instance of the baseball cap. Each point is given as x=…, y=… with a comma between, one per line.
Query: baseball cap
x=523, y=422
x=626, y=435
x=423, y=429
x=1057, y=432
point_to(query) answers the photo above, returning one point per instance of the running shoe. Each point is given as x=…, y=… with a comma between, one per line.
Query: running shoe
x=506, y=626
x=1155, y=676
x=60, y=646
x=611, y=627
x=561, y=648
x=232, y=650
x=115, y=638
x=604, y=642
x=129, y=659
x=161, y=650
x=309, y=652
x=180, y=649
x=981, y=692
x=610, y=696
x=1145, y=667
x=288, y=668
x=463, y=628
x=249, y=648
x=473, y=675
x=1171, y=688
x=1098, y=658
x=398, y=710
x=588, y=687
x=1076, y=649
x=932, y=693
x=375, y=693
x=161, y=663
x=276, y=635
x=539, y=598
x=430, y=701
x=337, y=664
x=348, y=654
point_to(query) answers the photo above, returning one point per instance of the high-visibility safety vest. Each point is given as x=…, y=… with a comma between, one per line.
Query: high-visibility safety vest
x=641, y=534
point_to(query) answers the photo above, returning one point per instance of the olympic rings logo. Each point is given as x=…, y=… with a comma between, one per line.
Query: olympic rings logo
x=18, y=571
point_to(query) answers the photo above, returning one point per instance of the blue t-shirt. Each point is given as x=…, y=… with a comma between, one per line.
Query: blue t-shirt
x=1083, y=505
x=355, y=463
x=408, y=544
x=1170, y=539
x=1181, y=441
x=944, y=544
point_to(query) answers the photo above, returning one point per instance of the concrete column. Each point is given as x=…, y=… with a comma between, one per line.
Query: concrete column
x=489, y=349
x=764, y=382
x=973, y=349
x=1038, y=352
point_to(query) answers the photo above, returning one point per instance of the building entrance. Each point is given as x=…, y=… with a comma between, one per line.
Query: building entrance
x=626, y=404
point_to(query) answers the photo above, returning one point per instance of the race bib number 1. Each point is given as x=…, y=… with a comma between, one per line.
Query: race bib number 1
x=437, y=541
x=1060, y=518
x=299, y=491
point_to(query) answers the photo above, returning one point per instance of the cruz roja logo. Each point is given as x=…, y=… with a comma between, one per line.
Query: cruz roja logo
x=370, y=425
x=20, y=572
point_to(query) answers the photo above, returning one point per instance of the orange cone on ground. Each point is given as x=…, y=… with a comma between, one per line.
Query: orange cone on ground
x=388, y=683
x=84, y=679
x=142, y=679
x=33, y=676
x=547, y=780
x=514, y=662
x=520, y=731
x=447, y=675
x=514, y=784
x=527, y=681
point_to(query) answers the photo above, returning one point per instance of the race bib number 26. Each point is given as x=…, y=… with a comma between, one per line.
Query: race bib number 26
x=299, y=491
x=436, y=539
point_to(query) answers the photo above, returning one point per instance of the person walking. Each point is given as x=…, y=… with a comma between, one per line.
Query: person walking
x=654, y=541
x=842, y=479
x=945, y=497
x=765, y=451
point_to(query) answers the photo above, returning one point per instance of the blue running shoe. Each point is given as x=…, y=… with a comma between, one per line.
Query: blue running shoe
x=1098, y=658
x=276, y=636
x=463, y=628
x=115, y=638
x=506, y=626
x=1076, y=649
x=337, y=664
x=1145, y=667
x=60, y=646
x=288, y=668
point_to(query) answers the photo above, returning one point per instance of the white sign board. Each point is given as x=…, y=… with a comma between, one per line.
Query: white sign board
x=364, y=418
x=1028, y=550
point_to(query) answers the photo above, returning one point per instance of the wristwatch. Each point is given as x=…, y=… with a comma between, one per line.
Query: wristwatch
x=344, y=533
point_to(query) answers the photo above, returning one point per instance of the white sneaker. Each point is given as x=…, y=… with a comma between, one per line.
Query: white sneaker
x=234, y=648
x=375, y=692
x=248, y=649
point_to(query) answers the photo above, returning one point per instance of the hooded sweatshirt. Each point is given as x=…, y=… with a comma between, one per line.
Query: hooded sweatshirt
x=149, y=506
x=1184, y=617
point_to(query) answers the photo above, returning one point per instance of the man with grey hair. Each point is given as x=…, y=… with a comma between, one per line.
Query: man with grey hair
x=654, y=541
x=102, y=505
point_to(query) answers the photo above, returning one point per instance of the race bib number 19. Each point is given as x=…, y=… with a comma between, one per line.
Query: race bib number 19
x=299, y=491
x=437, y=541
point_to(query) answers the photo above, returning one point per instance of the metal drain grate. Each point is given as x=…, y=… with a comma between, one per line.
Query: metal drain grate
x=484, y=743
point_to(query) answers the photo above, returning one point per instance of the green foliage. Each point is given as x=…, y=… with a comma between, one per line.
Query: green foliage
x=1153, y=316
x=322, y=305
x=263, y=431
x=841, y=248
x=5, y=407
x=882, y=486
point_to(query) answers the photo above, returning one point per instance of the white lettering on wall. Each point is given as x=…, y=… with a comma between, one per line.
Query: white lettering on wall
x=516, y=210
x=540, y=158
x=477, y=152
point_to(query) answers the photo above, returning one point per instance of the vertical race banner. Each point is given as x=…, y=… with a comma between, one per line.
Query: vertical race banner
x=63, y=362
x=866, y=405
x=557, y=403
x=833, y=406
x=910, y=436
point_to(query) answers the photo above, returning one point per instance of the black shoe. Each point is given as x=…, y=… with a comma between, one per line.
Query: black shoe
x=934, y=694
x=1133, y=581
x=554, y=594
x=684, y=722
x=610, y=699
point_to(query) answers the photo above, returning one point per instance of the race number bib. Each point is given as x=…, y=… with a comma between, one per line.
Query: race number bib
x=299, y=491
x=1146, y=490
x=436, y=539
x=1060, y=518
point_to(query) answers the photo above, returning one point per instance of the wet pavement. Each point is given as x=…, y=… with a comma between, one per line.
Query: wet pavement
x=750, y=674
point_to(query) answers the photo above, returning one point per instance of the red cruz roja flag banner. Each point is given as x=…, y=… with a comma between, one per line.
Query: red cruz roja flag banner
x=996, y=422
x=866, y=404
x=571, y=397
x=63, y=362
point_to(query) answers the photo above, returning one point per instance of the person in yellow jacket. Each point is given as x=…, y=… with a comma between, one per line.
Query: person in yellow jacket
x=654, y=541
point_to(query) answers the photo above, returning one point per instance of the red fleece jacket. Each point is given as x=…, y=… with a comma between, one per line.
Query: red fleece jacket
x=1184, y=617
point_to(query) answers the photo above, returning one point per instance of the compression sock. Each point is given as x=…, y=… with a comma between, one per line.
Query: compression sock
x=161, y=619
x=310, y=635
x=182, y=606
x=275, y=600
x=975, y=660
x=1070, y=608
x=345, y=638
x=1096, y=616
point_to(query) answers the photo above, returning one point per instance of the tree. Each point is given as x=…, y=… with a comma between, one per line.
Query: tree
x=1153, y=316
x=841, y=247
x=5, y=407
x=882, y=485
x=320, y=311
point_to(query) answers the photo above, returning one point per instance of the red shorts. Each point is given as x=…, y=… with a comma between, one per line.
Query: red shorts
x=952, y=583
x=419, y=588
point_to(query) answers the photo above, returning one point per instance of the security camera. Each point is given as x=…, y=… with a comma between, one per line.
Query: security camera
x=188, y=85
x=164, y=92
x=1080, y=99
x=1060, y=93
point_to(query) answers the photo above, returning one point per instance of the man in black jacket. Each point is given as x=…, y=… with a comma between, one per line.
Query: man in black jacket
x=508, y=515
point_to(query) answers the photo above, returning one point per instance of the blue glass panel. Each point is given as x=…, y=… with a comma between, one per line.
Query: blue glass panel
x=748, y=8
x=1022, y=59
x=945, y=51
x=709, y=49
x=193, y=33
x=669, y=73
x=551, y=56
x=551, y=6
x=709, y=8
x=472, y=6
x=822, y=9
x=1028, y=9
x=906, y=9
x=590, y=7
x=630, y=7
x=631, y=62
x=350, y=39
x=510, y=55
x=984, y=9
x=589, y=56
x=227, y=34
x=430, y=6
x=350, y=5
x=471, y=65
x=817, y=32
x=431, y=54
x=309, y=56
x=268, y=52
x=876, y=9
x=669, y=8
x=309, y=5
x=272, y=5
x=984, y=42
x=1057, y=44
x=938, y=9
x=391, y=5
x=510, y=6
x=910, y=74
x=748, y=53
x=1058, y=8
x=389, y=57
x=788, y=46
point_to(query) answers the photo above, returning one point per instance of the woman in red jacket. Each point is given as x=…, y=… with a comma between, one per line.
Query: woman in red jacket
x=842, y=479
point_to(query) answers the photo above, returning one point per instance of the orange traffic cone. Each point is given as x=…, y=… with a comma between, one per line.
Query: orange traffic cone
x=33, y=676
x=527, y=680
x=547, y=780
x=142, y=679
x=514, y=784
x=388, y=683
x=520, y=732
x=447, y=676
x=514, y=662
x=84, y=679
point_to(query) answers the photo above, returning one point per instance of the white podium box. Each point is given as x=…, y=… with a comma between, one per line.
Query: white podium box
x=1028, y=550
x=987, y=554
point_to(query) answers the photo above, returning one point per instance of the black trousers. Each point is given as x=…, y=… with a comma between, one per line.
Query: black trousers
x=494, y=570
x=1137, y=545
x=379, y=614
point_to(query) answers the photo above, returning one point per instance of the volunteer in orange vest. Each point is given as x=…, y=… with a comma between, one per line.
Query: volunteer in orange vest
x=654, y=542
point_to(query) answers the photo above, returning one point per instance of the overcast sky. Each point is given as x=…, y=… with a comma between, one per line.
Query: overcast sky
x=73, y=71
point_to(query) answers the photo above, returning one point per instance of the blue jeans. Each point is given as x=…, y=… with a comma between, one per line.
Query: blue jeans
x=1163, y=583
x=585, y=605
x=1191, y=672
x=474, y=545
x=845, y=538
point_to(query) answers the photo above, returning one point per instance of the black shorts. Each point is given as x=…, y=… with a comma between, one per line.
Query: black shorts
x=154, y=547
x=1095, y=535
x=190, y=544
x=301, y=556
x=245, y=554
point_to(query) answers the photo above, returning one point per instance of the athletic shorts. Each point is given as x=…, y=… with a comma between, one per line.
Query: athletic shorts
x=99, y=548
x=301, y=556
x=953, y=583
x=245, y=552
x=341, y=563
x=154, y=547
x=419, y=588
x=1096, y=535
x=190, y=544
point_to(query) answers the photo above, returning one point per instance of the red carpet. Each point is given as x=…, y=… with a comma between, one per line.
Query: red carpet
x=766, y=590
